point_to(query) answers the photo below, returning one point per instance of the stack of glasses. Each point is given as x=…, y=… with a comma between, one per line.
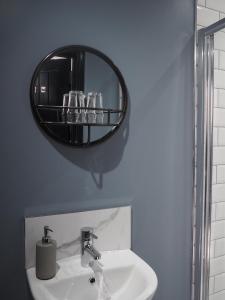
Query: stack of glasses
x=78, y=108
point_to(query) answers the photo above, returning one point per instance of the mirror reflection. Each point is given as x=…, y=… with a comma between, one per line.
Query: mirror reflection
x=78, y=96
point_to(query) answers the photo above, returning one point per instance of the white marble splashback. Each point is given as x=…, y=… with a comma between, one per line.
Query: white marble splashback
x=112, y=226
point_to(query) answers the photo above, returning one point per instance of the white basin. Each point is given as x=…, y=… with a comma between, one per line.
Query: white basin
x=126, y=275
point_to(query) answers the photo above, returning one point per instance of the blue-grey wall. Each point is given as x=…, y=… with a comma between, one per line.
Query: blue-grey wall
x=148, y=164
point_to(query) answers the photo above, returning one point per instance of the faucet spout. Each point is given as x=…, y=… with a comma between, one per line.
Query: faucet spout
x=88, y=251
x=92, y=251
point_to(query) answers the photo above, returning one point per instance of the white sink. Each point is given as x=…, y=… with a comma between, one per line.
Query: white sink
x=126, y=276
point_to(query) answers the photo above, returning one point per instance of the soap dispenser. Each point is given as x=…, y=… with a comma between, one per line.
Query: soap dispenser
x=46, y=256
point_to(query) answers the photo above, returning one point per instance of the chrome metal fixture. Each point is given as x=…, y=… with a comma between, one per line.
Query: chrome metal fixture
x=204, y=160
x=88, y=251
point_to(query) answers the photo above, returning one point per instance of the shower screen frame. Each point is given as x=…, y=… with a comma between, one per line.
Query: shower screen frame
x=203, y=159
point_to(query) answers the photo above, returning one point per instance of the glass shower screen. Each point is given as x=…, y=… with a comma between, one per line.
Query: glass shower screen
x=209, y=206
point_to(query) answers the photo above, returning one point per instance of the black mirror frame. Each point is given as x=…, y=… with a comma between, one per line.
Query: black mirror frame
x=98, y=53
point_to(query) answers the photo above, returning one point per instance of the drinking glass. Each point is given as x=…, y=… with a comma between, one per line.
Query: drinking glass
x=91, y=103
x=99, y=104
x=73, y=112
x=83, y=111
x=64, y=110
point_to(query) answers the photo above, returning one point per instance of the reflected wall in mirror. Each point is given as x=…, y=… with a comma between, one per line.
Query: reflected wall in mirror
x=78, y=96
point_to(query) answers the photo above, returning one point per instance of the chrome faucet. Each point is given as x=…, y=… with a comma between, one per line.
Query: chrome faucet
x=88, y=252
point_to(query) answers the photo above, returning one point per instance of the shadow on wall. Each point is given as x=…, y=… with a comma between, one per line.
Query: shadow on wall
x=98, y=159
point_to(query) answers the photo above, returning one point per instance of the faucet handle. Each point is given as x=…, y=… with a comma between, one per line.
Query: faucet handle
x=87, y=233
x=94, y=236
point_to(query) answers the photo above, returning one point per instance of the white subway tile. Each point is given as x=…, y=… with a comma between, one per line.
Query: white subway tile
x=218, y=193
x=214, y=175
x=201, y=2
x=220, y=211
x=219, y=247
x=217, y=265
x=218, y=230
x=221, y=60
x=206, y=17
x=219, y=39
x=215, y=97
x=220, y=174
x=217, y=296
x=220, y=77
x=215, y=136
x=212, y=249
x=219, y=155
x=213, y=212
x=222, y=15
x=221, y=98
x=211, y=285
x=216, y=59
x=216, y=4
x=221, y=136
x=219, y=283
x=219, y=117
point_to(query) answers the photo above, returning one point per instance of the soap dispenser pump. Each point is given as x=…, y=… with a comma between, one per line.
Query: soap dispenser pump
x=46, y=256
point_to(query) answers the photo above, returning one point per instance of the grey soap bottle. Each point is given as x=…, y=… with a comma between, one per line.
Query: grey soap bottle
x=46, y=256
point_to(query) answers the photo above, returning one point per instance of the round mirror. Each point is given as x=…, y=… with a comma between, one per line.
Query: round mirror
x=78, y=96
